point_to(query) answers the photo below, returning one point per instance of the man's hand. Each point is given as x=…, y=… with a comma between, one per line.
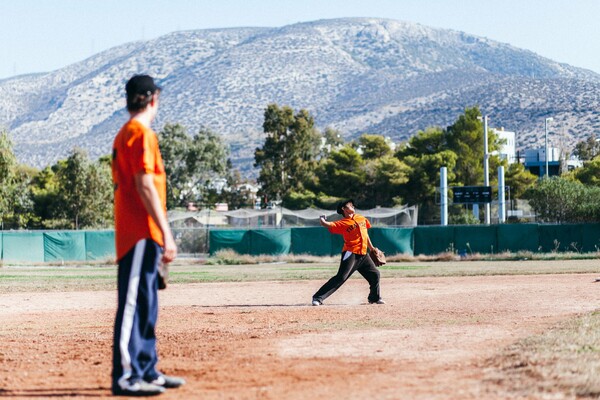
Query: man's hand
x=324, y=222
x=169, y=249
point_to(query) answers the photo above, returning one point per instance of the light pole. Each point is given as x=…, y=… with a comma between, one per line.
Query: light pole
x=549, y=119
x=486, y=164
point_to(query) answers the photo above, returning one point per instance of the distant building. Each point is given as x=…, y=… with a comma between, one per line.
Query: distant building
x=217, y=184
x=251, y=192
x=221, y=207
x=508, y=150
x=535, y=161
x=573, y=162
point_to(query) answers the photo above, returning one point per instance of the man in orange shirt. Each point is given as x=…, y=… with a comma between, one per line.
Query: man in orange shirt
x=143, y=239
x=355, y=256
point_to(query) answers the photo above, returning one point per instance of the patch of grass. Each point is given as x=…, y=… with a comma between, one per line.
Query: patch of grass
x=403, y=267
x=564, y=360
x=78, y=278
x=230, y=257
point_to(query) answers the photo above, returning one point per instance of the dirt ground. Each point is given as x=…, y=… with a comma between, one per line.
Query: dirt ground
x=261, y=340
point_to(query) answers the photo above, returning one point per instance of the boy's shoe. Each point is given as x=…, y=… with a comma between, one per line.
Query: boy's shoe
x=380, y=301
x=168, y=382
x=140, y=388
x=316, y=303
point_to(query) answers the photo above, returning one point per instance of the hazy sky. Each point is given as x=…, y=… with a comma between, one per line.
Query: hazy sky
x=44, y=35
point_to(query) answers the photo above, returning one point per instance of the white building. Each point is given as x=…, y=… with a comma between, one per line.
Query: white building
x=508, y=150
x=535, y=161
x=533, y=156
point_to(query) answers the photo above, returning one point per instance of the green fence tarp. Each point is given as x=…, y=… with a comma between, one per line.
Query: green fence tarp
x=37, y=247
x=560, y=237
x=590, y=238
x=270, y=241
x=393, y=240
x=431, y=240
x=337, y=242
x=518, y=237
x=64, y=246
x=316, y=241
x=476, y=239
x=23, y=246
x=237, y=240
x=100, y=245
x=1, y=255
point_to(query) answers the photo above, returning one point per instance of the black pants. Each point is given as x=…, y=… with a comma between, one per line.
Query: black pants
x=352, y=262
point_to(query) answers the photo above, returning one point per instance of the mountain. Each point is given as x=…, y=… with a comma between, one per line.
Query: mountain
x=358, y=75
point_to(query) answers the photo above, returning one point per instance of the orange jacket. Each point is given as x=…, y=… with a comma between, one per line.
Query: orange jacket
x=355, y=233
x=135, y=150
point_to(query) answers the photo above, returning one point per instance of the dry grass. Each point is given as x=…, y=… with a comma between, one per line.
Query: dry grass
x=563, y=362
x=230, y=257
x=252, y=269
x=504, y=256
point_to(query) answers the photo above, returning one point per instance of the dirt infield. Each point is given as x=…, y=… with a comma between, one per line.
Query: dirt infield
x=261, y=340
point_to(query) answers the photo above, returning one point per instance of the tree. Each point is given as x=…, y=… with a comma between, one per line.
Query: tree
x=73, y=193
x=232, y=195
x=373, y=178
x=430, y=141
x=8, y=164
x=587, y=149
x=84, y=191
x=589, y=174
x=588, y=209
x=23, y=214
x=73, y=189
x=465, y=138
x=557, y=200
x=385, y=178
x=519, y=180
x=373, y=146
x=288, y=158
x=46, y=200
x=424, y=154
x=342, y=175
x=459, y=148
x=424, y=181
x=191, y=163
x=16, y=206
x=333, y=140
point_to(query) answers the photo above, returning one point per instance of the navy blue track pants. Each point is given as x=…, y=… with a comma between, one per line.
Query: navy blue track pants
x=134, y=347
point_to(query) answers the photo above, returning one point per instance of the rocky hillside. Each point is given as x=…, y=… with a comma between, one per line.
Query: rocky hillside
x=356, y=75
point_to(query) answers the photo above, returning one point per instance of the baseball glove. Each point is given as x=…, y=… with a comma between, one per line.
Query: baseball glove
x=378, y=257
x=163, y=275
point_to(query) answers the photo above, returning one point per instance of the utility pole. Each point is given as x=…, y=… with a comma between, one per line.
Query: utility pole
x=444, y=196
x=486, y=166
x=501, y=198
x=549, y=119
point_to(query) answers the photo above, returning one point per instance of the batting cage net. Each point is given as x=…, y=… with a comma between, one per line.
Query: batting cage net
x=282, y=217
x=192, y=228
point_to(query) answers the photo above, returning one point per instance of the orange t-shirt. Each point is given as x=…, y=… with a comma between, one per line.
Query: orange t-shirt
x=355, y=233
x=135, y=150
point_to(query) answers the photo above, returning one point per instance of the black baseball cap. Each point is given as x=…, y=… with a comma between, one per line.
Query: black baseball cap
x=141, y=84
x=342, y=205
